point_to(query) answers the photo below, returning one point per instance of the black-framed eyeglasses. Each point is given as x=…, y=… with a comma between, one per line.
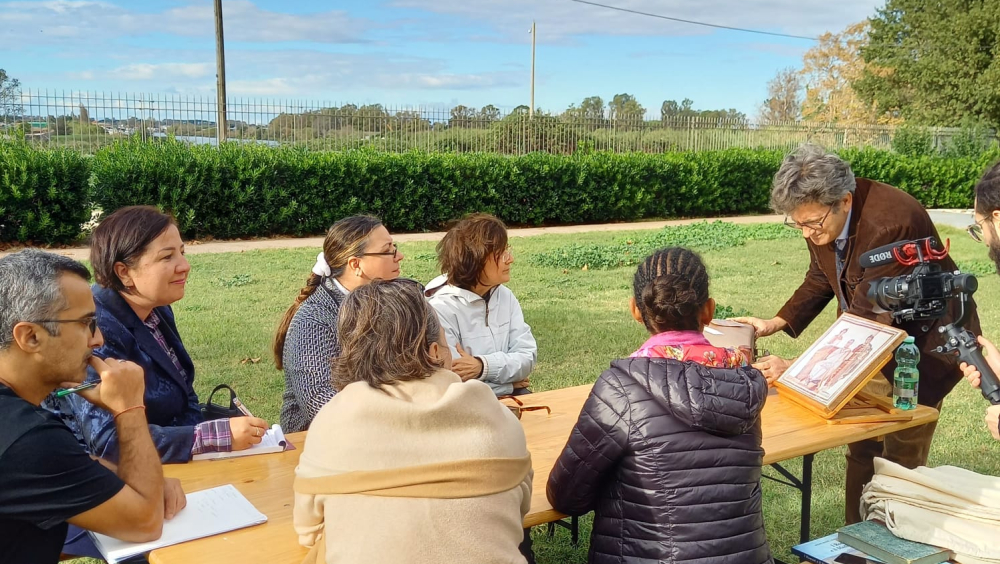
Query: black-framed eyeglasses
x=392, y=253
x=90, y=322
x=976, y=230
x=813, y=225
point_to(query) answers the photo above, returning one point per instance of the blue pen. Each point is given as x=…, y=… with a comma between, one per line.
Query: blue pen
x=80, y=388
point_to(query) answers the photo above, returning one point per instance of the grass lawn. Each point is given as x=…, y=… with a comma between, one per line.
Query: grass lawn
x=581, y=323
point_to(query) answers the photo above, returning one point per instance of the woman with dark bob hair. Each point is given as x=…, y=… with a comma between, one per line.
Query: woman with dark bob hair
x=436, y=465
x=138, y=260
x=483, y=320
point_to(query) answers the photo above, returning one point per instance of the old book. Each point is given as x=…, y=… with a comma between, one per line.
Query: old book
x=872, y=537
x=828, y=550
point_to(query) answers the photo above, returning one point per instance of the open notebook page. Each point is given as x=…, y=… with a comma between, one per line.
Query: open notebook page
x=208, y=512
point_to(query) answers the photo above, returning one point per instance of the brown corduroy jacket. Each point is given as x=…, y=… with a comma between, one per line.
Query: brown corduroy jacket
x=880, y=215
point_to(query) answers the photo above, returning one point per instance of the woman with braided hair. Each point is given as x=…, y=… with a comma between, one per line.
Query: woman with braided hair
x=356, y=250
x=666, y=451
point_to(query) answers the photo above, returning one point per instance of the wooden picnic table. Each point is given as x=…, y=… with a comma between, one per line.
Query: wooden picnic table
x=789, y=432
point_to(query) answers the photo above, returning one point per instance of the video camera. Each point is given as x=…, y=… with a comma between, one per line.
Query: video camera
x=924, y=294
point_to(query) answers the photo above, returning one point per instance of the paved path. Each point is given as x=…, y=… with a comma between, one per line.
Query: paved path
x=955, y=218
x=195, y=247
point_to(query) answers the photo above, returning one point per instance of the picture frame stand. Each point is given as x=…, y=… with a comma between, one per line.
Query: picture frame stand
x=867, y=408
x=858, y=407
x=831, y=377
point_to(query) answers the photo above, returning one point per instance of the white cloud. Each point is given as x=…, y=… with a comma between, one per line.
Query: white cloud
x=297, y=73
x=563, y=20
x=101, y=21
x=149, y=71
x=446, y=81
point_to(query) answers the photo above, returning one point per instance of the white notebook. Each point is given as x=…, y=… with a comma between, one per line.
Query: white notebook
x=208, y=512
x=272, y=441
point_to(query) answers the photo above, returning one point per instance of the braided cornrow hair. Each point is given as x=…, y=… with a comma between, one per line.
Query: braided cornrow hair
x=671, y=287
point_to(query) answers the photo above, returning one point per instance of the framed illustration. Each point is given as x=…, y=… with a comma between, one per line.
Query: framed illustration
x=838, y=365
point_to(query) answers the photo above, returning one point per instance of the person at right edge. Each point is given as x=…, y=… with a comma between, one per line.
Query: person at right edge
x=986, y=216
x=842, y=217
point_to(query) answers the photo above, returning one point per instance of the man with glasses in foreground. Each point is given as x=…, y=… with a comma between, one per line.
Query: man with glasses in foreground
x=841, y=218
x=47, y=338
x=984, y=230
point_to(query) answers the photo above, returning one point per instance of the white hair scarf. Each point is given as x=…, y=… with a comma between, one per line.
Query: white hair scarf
x=321, y=268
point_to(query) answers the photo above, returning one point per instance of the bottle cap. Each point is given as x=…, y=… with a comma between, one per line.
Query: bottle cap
x=910, y=340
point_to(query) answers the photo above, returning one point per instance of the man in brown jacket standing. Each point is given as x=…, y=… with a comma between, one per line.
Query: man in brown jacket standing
x=841, y=218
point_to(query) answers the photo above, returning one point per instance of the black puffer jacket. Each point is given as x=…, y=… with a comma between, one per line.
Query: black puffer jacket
x=668, y=455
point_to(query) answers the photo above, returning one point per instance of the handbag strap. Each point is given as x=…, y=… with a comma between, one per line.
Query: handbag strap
x=232, y=395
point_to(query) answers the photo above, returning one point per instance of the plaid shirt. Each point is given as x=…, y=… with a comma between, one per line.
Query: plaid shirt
x=210, y=436
x=152, y=323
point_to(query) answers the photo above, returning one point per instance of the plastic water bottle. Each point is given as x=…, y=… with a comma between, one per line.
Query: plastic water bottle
x=906, y=379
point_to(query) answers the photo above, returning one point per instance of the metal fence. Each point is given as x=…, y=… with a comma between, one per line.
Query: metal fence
x=87, y=121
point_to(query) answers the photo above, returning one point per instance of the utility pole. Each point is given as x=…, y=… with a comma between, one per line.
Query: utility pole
x=221, y=122
x=531, y=108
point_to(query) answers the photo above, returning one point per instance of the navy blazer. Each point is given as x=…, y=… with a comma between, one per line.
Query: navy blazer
x=171, y=403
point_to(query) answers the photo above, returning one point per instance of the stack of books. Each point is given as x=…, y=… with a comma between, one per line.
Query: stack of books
x=866, y=543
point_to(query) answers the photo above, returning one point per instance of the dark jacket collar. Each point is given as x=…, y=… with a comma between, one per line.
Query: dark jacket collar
x=111, y=303
x=861, y=190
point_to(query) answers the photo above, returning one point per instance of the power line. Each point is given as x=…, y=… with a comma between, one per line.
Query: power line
x=717, y=26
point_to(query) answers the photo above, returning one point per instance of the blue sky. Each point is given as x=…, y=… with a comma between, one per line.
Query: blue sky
x=426, y=53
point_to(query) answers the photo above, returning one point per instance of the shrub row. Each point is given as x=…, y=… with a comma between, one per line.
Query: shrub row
x=44, y=195
x=248, y=190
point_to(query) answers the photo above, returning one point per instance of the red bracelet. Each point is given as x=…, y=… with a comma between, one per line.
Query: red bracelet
x=127, y=409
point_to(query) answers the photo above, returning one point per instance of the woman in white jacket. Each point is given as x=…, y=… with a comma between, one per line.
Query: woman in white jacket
x=481, y=317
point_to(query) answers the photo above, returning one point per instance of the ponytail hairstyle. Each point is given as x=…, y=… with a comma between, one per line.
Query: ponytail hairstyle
x=345, y=240
x=670, y=289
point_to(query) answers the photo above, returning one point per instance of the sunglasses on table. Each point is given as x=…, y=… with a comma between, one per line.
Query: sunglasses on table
x=520, y=407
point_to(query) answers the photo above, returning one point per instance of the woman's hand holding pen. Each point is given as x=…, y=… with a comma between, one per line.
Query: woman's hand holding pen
x=247, y=431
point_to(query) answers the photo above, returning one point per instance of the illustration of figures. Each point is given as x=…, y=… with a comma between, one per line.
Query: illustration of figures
x=849, y=365
x=822, y=354
x=827, y=367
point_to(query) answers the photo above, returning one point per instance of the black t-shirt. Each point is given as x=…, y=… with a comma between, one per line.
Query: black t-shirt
x=45, y=479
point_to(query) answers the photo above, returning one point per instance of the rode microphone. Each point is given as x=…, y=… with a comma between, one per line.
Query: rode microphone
x=906, y=253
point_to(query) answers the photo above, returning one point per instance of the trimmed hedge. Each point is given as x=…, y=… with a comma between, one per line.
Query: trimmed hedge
x=241, y=191
x=249, y=190
x=44, y=195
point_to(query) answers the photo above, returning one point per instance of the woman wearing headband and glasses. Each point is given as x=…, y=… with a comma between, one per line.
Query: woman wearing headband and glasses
x=357, y=250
